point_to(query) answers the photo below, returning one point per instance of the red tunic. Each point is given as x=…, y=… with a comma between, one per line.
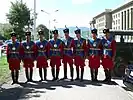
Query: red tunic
x=55, y=52
x=42, y=50
x=109, y=51
x=13, y=52
x=80, y=52
x=29, y=54
x=68, y=51
x=94, y=52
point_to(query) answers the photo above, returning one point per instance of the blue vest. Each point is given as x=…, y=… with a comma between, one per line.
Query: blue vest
x=14, y=50
x=41, y=51
x=67, y=46
x=55, y=50
x=28, y=50
x=94, y=49
x=79, y=50
x=106, y=47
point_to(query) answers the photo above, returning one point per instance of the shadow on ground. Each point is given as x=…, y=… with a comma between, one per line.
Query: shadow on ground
x=29, y=90
x=128, y=86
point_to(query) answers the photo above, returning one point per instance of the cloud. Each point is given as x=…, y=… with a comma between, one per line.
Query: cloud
x=81, y=1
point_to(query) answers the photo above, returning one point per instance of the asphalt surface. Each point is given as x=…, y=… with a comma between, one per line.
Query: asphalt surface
x=65, y=90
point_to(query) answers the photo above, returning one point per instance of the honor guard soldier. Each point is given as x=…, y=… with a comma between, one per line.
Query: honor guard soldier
x=55, y=54
x=109, y=52
x=13, y=57
x=79, y=53
x=68, y=53
x=94, y=54
x=29, y=54
x=42, y=55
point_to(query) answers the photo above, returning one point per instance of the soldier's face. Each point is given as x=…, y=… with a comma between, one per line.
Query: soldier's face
x=78, y=35
x=94, y=35
x=66, y=34
x=28, y=37
x=55, y=36
x=41, y=37
x=13, y=38
x=107, y=35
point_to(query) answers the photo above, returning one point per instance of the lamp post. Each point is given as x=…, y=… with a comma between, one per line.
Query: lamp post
x=49, y=19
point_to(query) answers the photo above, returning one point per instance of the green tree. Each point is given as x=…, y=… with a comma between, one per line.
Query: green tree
x=45, y=29
x=5, y=30
x=19, y=17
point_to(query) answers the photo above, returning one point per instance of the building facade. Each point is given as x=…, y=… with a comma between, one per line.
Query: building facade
x=103, y=20
x=120, y=18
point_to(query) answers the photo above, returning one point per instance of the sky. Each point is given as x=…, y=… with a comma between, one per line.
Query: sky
x=70, y=12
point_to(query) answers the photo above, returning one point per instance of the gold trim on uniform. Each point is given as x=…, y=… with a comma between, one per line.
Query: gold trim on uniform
x=95, y=49
x=41, y=50
x=55, y=49
x=67, y=49
x=28, y=51
x=14, y=52
x=79, y=49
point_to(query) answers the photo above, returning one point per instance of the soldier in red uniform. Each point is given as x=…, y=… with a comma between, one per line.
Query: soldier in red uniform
x=29, y=55
x=94, y=51
x=109, y=51
x=79, y=53
x=42, y=55
x=68, y=53
x=55, y=54
x=14, y=58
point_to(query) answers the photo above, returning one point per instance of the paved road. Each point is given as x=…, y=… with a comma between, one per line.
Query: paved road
x=66, y=90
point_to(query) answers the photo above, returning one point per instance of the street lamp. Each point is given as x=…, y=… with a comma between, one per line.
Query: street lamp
x=49, y=18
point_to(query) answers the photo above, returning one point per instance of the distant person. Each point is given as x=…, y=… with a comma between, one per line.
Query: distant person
x=68, y=53
x=109, y=52
x=94, y=48
x=55, y=54
x=13, y=57
x=79, y=54
x=28, y=52
x=42, y=55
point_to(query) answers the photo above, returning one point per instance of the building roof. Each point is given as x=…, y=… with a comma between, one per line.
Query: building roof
x=128, y=3
x=103, y=13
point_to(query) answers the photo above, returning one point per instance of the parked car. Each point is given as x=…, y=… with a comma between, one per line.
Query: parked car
x=3, y=48
x=8, y=41
x=128, y=77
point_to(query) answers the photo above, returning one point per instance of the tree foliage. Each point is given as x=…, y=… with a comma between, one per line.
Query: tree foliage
x=19, y=17
x=45, y=29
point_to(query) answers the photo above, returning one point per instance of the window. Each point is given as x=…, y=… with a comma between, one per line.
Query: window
x=116, y=27
x=116, y=15
x=119, y=27
x=119, y=15
x=116, y=22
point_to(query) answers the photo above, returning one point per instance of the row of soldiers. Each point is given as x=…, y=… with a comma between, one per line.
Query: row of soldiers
x=70, y=51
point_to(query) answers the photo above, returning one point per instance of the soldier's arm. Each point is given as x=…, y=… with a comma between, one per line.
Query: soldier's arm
x=7, y=53
x=48, y=49
x=62, y=48
x=88, y=48
x=21, y=51
x=74, y=49
x=113, y=49
x=101, y=49
x=35, y=50
x=85, y=48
